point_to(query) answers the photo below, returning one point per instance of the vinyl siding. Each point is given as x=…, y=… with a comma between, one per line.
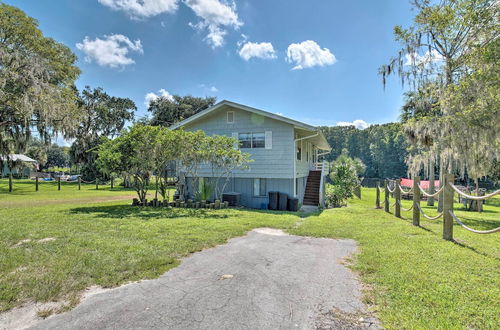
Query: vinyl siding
x=276, y=162
x=245, y=186
x=304, y=165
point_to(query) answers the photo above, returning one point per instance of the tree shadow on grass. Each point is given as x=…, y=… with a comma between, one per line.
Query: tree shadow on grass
x=127, y=211
x=473, y=249
x=479, y=224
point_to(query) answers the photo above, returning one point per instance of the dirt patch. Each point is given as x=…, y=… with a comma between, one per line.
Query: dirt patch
x=270, y=231
x=28, y=315
x=337, y=319
x=31, y=313
x=21, y=242
x=47, y=239
x=28, y=240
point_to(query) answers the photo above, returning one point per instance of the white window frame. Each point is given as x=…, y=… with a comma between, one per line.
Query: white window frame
x=257, y=185
x=251, y=140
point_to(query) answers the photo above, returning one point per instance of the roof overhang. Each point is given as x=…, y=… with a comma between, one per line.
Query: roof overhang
x=18, y=158
x=314, y=136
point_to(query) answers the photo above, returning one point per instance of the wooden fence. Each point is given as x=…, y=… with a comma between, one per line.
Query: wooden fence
x=58, y=181
x=445, y=193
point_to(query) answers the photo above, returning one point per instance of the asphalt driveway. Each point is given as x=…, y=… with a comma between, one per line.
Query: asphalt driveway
x=265, y=280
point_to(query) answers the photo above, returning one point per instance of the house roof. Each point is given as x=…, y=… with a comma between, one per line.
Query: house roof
x=297, y=124
x=19, y=158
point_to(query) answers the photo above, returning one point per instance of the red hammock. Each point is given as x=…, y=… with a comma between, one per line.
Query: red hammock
x=424, y=184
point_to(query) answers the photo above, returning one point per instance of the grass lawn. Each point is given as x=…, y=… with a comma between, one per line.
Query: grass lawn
x=106, y=243
x=417, y=280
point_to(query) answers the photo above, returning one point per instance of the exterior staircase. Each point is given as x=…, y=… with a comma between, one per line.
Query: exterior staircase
x=311, y=195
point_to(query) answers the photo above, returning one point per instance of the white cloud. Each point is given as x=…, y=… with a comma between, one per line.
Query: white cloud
x=308, y=54
x=110, y=51
x=427, y=58
x=137, y=9
x=244, y=39
x=264, y=50
x=215, y=16
x=153, y=96
x=211, y=89
x=358, y=123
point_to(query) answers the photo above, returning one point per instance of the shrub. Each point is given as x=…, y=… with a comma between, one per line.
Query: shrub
x=333, y=196
x=344, y=175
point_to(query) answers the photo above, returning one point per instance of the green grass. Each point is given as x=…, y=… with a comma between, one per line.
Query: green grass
x=106, y=243
x=416, y=279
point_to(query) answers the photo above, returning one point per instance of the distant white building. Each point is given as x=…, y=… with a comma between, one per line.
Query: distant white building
x=23, y=165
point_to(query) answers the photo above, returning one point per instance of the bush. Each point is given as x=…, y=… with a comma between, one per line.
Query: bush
x=344, y=175
x=334, y=197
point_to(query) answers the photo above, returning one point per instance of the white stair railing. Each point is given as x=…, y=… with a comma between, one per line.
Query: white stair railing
x=324, y=172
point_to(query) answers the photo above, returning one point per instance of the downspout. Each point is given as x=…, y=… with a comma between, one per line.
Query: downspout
x=295, y=160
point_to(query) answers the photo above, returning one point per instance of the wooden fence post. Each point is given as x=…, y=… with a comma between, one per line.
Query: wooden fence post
x=447, y=207
x=416, y=201
x=59, y=183
x=441, y=194
x=386, y=196
x=357, y=191
x=36, y=183
x=432, y=186
x=10, y=181
x=397, y=196
x=79, y=183
x=377, y=200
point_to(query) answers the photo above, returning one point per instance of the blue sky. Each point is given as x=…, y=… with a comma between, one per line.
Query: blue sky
x=314, y=61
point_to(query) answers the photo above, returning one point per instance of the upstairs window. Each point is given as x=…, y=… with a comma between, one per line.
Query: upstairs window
x=230, y=117
x=258, y=140
x=252, y=140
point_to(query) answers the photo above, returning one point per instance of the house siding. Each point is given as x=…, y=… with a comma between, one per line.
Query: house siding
x=244, y=186
x=305, y=164
x=301, y=188
x=24, y=172
x=276, y=164
x=267, y=163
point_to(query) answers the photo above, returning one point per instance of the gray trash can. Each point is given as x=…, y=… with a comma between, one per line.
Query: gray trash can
x=293, y=204
x=273, y=200
x=283, y=201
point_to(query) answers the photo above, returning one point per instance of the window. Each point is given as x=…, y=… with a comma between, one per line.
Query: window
x=252, y=140
x=299, y=153
x=259, y=187
x=258, y=140
x=245, y=140
x=230, y=117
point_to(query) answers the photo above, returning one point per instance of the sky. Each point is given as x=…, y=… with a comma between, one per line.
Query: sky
x=315, y=61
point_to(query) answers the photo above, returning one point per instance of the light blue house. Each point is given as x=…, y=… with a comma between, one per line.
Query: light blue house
x=286, y=153
x=20, y=166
